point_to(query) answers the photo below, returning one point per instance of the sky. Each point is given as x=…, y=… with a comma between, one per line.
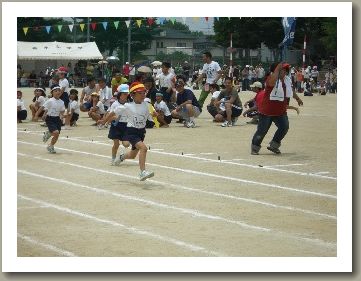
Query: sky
x=199, y=25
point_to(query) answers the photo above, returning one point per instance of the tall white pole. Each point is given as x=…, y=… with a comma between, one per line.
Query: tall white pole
x=230, y=74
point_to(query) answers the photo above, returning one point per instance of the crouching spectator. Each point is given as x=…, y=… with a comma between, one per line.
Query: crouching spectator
x=97, y=111
x=37, y=109
x=73, y=110
x=211, y=107
x=164, y=116
x=22, y=113
x=188, y=107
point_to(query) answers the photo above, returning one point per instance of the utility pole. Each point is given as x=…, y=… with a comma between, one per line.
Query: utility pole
x=74, y=29
x=88, y=31
x=129, y=38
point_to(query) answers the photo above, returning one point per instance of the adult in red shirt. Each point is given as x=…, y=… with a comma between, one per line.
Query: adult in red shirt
x=272, y=111
x=126, y=70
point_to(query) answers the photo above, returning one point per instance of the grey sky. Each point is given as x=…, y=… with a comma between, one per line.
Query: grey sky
x=199, y=25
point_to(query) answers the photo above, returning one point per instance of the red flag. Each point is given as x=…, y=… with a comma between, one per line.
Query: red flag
x=93, y=25
x=206, y=18
x=150, y=21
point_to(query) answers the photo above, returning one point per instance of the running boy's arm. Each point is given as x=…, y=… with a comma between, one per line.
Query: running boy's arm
x=271, y=82
x=294, y=108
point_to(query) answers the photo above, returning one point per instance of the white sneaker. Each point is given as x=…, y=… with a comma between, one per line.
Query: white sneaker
x=226, y=124
x=119, y=160
x=51, y=149
x=100, y=127
x=67, y=128
x=191, y=124
x=46, y=136
x=145, y=175
x=112, y=163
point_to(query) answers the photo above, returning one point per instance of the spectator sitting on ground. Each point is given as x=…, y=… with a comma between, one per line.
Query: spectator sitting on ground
x=22, y=113
x=211, y=107
x=97, y=111
x=149, y=85
x=37, y=109
x=188, y=107
x=73, y=110
x=232, y=103
x=85, y=97
x=164, y=116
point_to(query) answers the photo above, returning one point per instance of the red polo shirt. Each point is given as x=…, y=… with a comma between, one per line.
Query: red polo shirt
x=272, y=107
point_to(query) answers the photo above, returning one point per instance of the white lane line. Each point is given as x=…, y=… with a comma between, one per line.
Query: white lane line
x=194, y=213
x=318, y=173
x=283, y=165
x=158, y=149
x=209, y=160
x=188, y=154
x=134, y=230
x=207, y=153
x=29, y=208
x=46, y=246
x=219, y=176
x=189, y=189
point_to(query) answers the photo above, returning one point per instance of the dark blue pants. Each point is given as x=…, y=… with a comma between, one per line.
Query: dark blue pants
x=264, y=123
x=245, y=84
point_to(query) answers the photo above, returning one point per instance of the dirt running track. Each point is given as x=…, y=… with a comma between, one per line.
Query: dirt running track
x=74, y=203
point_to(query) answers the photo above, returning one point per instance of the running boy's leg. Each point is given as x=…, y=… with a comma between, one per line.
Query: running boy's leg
x=203, y=96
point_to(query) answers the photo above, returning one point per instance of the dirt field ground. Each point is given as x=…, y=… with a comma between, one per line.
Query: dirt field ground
x=74, y=203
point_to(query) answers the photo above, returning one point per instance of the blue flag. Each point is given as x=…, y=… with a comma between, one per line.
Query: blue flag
x=289, y=27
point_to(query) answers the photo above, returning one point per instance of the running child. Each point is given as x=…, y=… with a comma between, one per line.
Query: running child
x=138, y=113
x=118, y=119
x=54, y=110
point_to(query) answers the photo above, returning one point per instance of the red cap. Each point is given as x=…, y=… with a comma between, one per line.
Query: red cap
x=286, y=65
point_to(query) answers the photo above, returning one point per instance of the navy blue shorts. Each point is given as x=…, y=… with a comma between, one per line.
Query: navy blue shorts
x=74, y=118
x=168, y=119
x=87, y=105
x=134, y=136
x=117, y=132
x=53, y=123
x=65, y=98
x=22, y=114
x=235, y=112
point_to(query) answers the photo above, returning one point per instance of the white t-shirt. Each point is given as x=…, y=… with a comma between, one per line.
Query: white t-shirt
x=87, y=92
x=137, y=114
x=105, y=95
x=211, y=71
x=54, y=107
x=21, y=104
x=100, y=107
x=215, y=94
x=162, y=106
x=114, y=105
x=64, y=83
x=74, y=105
x=166, y=80
x=132, y=70
x=41, y=100
x=121, y=113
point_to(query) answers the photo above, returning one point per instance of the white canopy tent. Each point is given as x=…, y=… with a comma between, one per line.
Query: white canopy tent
x=39, y=55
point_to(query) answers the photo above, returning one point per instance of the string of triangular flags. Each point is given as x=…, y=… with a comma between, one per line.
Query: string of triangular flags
x=93, y=25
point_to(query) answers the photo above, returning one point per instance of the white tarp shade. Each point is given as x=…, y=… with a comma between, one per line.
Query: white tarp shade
x=58, y=51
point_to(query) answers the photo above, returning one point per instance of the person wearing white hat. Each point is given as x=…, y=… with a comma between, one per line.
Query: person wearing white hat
x=54, y=111
x=126, y=70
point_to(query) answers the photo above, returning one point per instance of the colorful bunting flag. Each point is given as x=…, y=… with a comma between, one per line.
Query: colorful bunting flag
x=150, y=21
x=105, y=24
x=82, y=26
x=48, y=28
x=127, y=22
x=139, y=23
x=71, y=27
x=93, y=25
x=60, y=27
x=25, y=29
x=173, y=20
x=116, y=23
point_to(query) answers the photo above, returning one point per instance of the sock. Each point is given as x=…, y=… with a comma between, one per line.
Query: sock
x=191, y=119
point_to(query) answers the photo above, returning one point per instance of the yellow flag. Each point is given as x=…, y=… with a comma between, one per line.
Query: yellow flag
x=139, y=23
x=196, y=19
x=25, y=29
x=82, y=26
